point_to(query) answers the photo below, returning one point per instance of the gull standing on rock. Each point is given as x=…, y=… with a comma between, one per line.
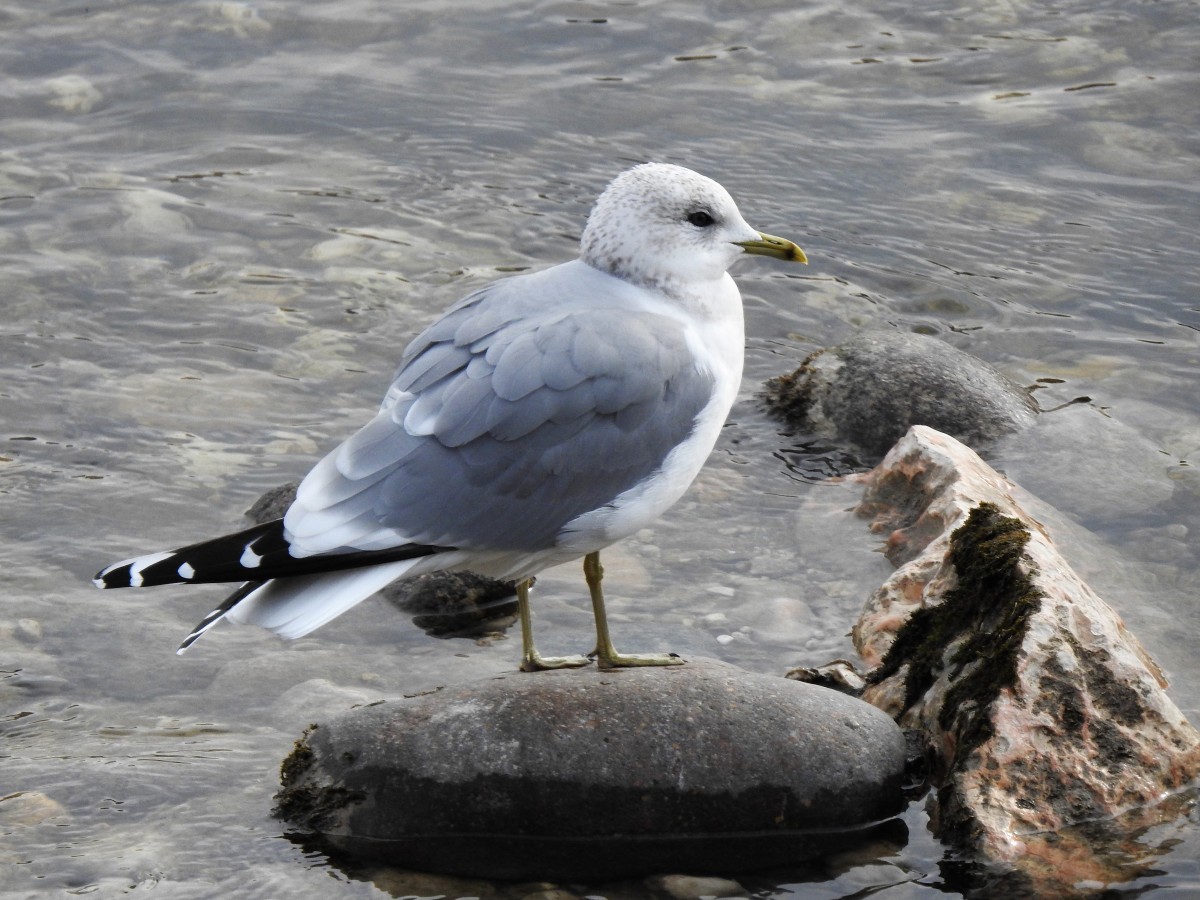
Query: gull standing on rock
x=539, y=420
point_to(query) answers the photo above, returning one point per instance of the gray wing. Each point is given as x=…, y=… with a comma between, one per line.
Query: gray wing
x=504, y=423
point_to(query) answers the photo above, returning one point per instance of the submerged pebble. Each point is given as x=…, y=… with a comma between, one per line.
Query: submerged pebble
x=25, y=809
x=73, y=93
x=692, y=887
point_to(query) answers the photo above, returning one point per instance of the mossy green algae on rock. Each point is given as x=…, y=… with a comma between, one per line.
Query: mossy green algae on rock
x=988, y=610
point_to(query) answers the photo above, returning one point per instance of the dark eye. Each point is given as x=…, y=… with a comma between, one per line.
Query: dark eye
x=701, y=219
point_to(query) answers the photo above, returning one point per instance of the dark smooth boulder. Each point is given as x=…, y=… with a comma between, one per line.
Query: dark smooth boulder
x=588, y=774
x=873, y=388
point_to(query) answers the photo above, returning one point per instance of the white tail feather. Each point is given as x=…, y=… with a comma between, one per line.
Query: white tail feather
x=292, y=607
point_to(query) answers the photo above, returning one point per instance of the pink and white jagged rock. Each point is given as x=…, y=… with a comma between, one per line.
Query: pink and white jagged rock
x=1085, y=736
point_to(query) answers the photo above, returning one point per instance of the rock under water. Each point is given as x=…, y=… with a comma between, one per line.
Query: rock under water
x=873, y=388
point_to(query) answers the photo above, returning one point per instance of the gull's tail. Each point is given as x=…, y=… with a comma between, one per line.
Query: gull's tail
x=256, y=554
x=290, y=595
x=292, y=607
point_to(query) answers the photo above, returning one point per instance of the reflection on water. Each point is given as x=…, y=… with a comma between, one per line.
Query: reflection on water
x=222, y=221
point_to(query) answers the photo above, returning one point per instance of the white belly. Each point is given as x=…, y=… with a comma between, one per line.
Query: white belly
x=718, y=343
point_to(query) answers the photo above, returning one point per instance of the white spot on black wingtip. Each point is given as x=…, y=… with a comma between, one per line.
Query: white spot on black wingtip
x=250, y=559
x=186, y=572
x=144, y=562
x=104, y=578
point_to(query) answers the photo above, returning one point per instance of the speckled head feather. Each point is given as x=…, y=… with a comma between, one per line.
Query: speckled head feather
x=665, y=227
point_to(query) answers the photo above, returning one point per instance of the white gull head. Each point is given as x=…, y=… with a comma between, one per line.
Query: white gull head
x=669, y=228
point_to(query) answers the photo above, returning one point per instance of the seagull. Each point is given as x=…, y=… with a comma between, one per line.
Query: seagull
x=537, y=421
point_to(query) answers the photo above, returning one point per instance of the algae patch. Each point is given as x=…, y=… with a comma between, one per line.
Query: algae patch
x=986, y=615
x=301, y=801
x=791, y=396
x=292, y=769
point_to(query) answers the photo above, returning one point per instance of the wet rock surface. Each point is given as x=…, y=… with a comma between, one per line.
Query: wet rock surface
x=1055, y=744
x=584, y=774
x=273, y=504
x=873, y=388
x=456, y=604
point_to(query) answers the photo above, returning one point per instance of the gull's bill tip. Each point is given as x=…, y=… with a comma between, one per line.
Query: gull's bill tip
x=769, y=245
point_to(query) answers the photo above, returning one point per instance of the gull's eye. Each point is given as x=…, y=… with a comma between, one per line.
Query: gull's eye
x=701, y=219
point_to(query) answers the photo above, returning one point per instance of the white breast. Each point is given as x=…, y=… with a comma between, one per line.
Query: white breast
x=717, y=338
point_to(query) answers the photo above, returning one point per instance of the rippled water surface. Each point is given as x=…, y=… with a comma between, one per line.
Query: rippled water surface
x=221, y=222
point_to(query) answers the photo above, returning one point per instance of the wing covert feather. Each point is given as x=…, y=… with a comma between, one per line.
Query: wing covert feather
x=505, y=422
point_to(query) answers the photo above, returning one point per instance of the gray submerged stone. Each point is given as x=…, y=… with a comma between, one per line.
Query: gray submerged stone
x=273, y=504
x=588, y=774
x=456, y=604
x=873, y=388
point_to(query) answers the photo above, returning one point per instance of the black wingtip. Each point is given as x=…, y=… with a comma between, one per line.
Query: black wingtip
x=218, y=614
x=117, y=575
x=259, y=553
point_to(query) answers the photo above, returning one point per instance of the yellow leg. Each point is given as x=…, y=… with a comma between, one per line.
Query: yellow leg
x=606, y=655
x=531, y=660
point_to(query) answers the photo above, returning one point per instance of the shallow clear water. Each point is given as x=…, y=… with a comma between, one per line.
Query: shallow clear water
x=220, y=223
